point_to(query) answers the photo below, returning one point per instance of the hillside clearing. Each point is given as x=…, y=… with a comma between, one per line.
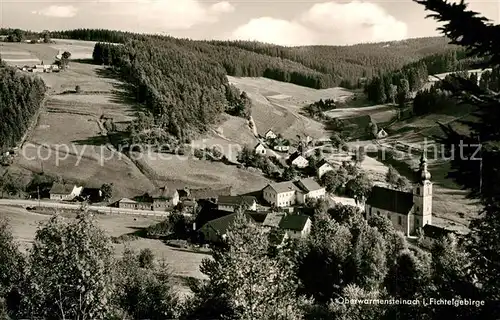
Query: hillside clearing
x=179, y=170
x=278, y=106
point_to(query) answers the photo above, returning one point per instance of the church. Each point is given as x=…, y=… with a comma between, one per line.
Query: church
x=408, y=211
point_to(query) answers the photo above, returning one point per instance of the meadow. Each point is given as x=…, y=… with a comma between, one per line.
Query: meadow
x=182, y=263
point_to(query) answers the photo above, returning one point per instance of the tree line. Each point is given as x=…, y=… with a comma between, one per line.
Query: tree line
x=20, y=98
x=310, y=66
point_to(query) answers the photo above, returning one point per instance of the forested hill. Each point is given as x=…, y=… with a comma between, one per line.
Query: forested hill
x=20, y=98
x=311, y=66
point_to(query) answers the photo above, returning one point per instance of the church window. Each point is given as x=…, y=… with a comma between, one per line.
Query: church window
x=418, y=222
x=400, y=221
x=418, y=208
x=418, y=191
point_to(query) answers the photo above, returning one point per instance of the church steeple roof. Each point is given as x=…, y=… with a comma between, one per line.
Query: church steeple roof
x=423, y=172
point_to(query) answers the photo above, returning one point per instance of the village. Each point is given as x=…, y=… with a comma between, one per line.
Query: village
x=283, y=207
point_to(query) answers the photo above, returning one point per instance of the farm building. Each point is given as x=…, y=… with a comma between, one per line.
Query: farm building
x=161, y=199
x=432, y=233
x=259, y=149
x=126, y=203
x=203, y=193
x=408, y=211
x=281, y=147
x=323, y=167
x=381, y=134
x=232, y=203
x=296, y=225
x=215, y=230
x=61, y=191
x=270, y=135
x=298, y=160
x=289, y=193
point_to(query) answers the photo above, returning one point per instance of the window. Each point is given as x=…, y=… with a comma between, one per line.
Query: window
x=418, y=208
x=388, y=215
x=378, y=213
x=418, y=191
x=400, y=221
x=418, y=222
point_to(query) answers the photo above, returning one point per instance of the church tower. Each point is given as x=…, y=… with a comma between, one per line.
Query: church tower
x=422, y=196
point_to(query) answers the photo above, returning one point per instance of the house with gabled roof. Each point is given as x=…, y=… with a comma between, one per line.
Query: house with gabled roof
x=381, y=134
x=61, y=191
x=289, y=193
x=259, y=149
x=232, y=203
x=408, y=211
x=270, y=135
x=298, y=160
x=296, y=225
x=323, y=167
x=215, y=230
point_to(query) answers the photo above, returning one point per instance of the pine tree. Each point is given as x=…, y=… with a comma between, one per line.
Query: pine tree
x=482, y=39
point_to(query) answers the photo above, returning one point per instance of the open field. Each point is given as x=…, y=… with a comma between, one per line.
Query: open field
x=182, y=263
x=72, y=120
x=278, y=105
x=177, y=170
x=378, y=113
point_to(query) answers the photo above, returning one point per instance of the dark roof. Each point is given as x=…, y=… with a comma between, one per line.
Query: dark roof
x=236, y=200
x=435, y=232
x=59, y=188
x=222, y=224
x=258, y=216
x=307, y=185
x=295, y=222
x=294, y=156
x=390, y=200
x=208, y=193
x=258, y=144
x=323, y=162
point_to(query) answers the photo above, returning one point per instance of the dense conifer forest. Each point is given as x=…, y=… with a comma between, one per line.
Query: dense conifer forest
x=311, y=66
x=20, y=98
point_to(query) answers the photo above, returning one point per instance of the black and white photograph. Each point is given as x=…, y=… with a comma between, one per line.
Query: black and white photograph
x=250, y=159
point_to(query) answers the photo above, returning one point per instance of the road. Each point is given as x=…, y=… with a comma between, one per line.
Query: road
x=59, y=205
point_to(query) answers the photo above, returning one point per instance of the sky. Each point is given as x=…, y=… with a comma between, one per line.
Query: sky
x=291, y=22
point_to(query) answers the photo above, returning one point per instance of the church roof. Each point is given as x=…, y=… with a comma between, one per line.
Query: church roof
x=391, y=200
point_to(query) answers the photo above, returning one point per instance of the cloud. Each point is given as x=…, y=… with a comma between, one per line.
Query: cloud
x=221, y=7
x=160, y=15
x=58, y=11
x=327, y=23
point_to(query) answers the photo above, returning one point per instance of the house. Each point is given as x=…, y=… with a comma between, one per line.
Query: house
x=289, y=193
x=273, y=219
x=259, y=149
x=270, y=135
x=323, y=167
x=128, y=204
x=61, y=191
x=309, y=188
x=215, y=230
x=208, y=193
x=296, y=225
x=298, y=160
x=408, y=211
x=164, y=198
x=281, y=147
x=282, y=194
x=232, y=203
x=432, y=233
x=381, y=134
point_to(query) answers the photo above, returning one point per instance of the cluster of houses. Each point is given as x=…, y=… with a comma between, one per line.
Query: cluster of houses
x=40, y=68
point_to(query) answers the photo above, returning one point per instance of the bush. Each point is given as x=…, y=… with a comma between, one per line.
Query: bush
x=146, y=258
